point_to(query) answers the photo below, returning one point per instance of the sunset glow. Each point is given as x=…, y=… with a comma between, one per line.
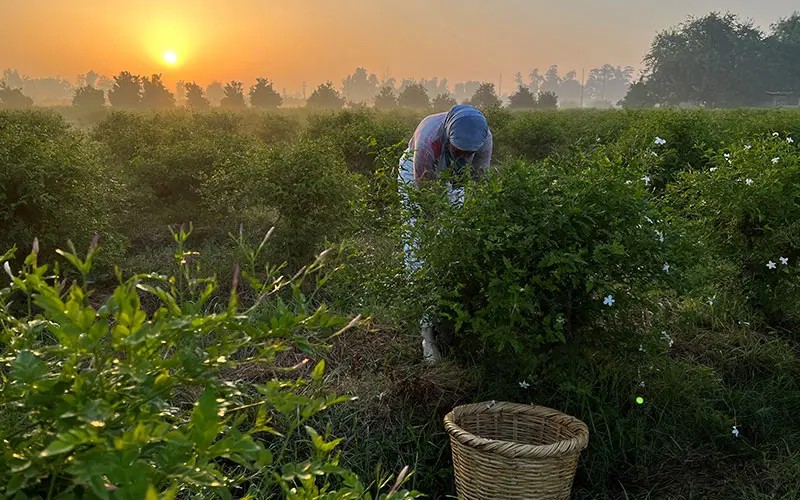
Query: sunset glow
x=170, y=57
x=303, y=44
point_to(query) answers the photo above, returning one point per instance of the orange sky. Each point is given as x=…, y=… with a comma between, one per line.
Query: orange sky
x=316, y=40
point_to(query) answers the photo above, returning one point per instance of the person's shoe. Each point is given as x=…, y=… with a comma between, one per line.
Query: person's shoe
x=430, y=351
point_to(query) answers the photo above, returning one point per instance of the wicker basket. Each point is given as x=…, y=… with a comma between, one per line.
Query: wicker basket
x=510, y=450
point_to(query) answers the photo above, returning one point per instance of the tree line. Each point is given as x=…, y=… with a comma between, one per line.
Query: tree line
x=720, y=61
x=136, y=92
x=713, y=61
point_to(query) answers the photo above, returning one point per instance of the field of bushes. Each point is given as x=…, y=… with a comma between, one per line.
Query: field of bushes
x=639, y=270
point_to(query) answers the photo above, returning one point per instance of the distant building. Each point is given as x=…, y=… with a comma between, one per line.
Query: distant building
x=784, y=99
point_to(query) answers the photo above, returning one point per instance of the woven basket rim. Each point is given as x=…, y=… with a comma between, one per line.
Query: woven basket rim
x=511, y=449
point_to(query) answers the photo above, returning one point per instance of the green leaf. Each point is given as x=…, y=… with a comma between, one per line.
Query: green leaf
x=205, y=421
x=151, y=494
x=324, y=447
x=27, y=368
x=57, y=447
x=318, y=371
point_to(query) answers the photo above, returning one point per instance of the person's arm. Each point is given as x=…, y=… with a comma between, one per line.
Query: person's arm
x=423, y=165
x=483, y=158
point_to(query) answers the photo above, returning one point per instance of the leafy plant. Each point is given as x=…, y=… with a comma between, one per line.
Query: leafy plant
x=122, y=397
x=538, y=254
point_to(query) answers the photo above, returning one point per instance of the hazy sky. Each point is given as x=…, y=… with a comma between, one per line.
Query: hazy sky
x=291, y=41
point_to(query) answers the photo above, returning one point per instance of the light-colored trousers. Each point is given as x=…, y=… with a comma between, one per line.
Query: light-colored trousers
x=405, y=177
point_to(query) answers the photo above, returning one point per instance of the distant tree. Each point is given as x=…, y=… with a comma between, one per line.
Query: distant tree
x=88, y=79
x=234, y=96
x=414, y=96
x=443, y=102
x=180, y=92
x=523, y=98
x=716, y=61
x=126, y=91
x=47, y=90
x=325, y=96
x=536, y=80
x=608, y=83
x=12, y=79
x=434, y=86
x=550, y=82
x=386, y=99
x=463, y=92
x=360, y=87
x=155, y=94
x=89, y=98
x=195, y=99
x=784, y=47
x=518, y=80
x=638, y=96
x=485, y=97
x=104, y=83
x=13, y=98
x=215, y=92
x=547, y=100
x=569, y=92
x=262, y=95
x=388, y=82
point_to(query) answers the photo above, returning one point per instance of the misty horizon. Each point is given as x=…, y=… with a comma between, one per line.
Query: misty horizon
x=304, y=42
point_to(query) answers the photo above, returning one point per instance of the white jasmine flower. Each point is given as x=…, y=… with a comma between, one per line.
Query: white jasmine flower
x=710, y=300
x=784, y=261
x=712, y=169
x=749, y=182
x=666, y=337
x=789, y=140
x=646, y=180
x=776, y=159
x=653, y=153
x=727, y=155
x=735, y=431
x=775, y=134
x=771, y=265
x=666, y=267
x=660, y=236
x=609, y=300
x=648, y=219
x=524, y=384
x=628, y=182
x=560, y=320
x=747, y=146
x=7, y=267
x=660, y=141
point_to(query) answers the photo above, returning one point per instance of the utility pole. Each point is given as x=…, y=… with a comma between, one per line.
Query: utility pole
x=304, y=91
x=500, y=87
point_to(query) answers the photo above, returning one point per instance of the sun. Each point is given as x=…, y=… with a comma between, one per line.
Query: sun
x=170, y=57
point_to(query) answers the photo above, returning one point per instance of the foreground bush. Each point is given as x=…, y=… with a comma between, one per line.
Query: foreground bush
x=108, y=398
x=539, y=253
x=162, y=160
x=745, y=209
x=53, y=183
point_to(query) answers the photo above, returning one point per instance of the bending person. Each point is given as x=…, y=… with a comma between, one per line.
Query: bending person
x=450, y=143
